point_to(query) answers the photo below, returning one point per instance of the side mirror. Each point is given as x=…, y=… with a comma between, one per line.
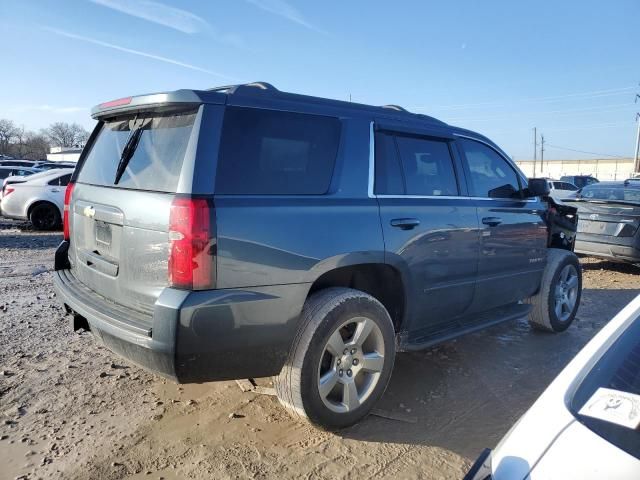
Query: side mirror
x=537, y=187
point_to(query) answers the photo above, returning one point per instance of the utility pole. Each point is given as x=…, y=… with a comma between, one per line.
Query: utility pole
x=542, y=153
x=636, y=166
x=535, y=148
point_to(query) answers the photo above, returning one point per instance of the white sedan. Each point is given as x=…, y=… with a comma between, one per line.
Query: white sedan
x=38, y=198
x=560, y=190
x=586, y=424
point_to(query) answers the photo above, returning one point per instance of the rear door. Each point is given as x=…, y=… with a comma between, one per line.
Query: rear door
x=428, y=226
x=513, y=234
x=119, y=228
x=54, y=190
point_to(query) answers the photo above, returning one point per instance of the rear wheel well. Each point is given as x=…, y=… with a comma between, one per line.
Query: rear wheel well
x=379, y=280
x=41, y=202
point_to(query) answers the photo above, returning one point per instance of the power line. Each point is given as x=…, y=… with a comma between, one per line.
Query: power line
x=567, y=111
x=567, y=129
x=593, y=93
x=584, y=151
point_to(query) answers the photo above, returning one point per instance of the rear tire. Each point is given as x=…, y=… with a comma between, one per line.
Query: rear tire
x=341, y=360
x=556, y=304
x=44, y=216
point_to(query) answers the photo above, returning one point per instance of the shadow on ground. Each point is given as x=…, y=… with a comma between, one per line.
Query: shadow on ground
x=30, y=241
x=600, y=264
x=467, y=393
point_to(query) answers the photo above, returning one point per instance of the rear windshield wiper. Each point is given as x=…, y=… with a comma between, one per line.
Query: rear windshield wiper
x=127, y=152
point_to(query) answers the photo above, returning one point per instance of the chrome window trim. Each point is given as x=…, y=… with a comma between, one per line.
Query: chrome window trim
x=459, y=197
x=372, y=159
x=370, y=186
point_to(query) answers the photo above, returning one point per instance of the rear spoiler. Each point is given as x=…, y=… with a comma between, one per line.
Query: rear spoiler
x=155, y=100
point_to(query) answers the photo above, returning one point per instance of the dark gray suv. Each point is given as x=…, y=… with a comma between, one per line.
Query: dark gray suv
x=247, y=232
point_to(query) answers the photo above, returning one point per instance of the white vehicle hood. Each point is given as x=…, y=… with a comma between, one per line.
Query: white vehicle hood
x=531, y=441
x=580, y=453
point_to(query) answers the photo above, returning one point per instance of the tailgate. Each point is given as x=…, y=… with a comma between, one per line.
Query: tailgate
x=119, y=210
x=119, y=245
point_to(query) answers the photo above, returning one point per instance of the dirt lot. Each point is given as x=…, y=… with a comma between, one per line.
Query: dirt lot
x=70, y=409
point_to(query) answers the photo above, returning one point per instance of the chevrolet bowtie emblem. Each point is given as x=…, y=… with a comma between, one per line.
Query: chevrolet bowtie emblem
x=89, y=212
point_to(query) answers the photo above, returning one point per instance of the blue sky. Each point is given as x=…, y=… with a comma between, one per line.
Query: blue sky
x=570, y=68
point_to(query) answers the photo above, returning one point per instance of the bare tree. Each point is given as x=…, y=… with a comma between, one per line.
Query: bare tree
x=8, y=132
x=62, y=134
x=33, y=145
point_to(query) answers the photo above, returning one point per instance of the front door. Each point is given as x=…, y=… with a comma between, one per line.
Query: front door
x=513, y=234
x=429, y=229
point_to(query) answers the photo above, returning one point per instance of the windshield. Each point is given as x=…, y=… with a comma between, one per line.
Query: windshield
x=153, y=164
x=609, y=412
x=599, y=191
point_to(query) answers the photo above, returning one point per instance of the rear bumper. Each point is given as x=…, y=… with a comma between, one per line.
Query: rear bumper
x=621, y=253
x=195, y=336
x=9, y=210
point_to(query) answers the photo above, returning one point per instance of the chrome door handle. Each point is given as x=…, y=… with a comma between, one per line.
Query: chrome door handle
x=492, y=221
x=405, y=223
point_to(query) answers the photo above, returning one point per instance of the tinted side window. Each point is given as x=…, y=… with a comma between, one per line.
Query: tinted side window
x=388, y=179
x=491, y=176
x=428, y=167
x=267, y=152
x=62, y=181
x=580, y=182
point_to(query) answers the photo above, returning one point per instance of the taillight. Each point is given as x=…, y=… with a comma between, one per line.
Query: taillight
x=65, y=214
x=191, y=243
x=7, y=191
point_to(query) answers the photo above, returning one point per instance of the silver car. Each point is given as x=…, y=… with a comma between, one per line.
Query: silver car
x=39, y=199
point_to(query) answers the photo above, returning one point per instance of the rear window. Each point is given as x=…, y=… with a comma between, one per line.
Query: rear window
x=157, y=160
x=266, y=152
x=618, y=371
x=599, y=191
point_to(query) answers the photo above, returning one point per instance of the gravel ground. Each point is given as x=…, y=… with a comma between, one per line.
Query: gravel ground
x=71, y=409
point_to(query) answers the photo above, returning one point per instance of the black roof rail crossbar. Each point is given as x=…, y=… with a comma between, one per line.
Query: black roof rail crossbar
x=397, y=108
x=244, y=88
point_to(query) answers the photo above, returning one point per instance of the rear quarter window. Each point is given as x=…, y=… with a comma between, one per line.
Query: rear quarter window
x=62, y=181
x=618, y=370
x=266, y=152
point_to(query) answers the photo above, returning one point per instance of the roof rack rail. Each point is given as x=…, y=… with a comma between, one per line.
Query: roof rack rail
x=397, y=108
x=244, y=87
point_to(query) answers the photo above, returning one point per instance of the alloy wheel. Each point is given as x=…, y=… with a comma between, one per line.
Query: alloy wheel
x=351, y=364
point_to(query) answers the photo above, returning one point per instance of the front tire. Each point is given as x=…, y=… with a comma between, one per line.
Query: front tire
x=556, y=304
x=341, y=360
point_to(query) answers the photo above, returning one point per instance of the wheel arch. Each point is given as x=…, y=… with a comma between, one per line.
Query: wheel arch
x=383, y=281
x=37, y=202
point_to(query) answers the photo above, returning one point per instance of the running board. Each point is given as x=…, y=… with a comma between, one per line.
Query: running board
x=462, y=326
